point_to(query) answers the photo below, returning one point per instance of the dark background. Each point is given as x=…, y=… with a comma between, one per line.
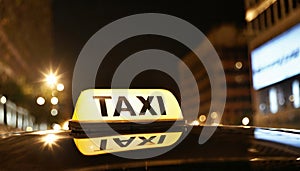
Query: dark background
x=76, y=21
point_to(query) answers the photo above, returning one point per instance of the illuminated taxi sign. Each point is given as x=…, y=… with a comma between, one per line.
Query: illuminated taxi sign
x=119, y=143
x=111, y=105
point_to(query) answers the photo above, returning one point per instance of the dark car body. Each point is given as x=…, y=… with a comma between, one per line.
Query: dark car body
x=229, y=148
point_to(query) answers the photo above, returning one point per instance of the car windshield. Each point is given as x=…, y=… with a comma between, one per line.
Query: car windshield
x=150, y=84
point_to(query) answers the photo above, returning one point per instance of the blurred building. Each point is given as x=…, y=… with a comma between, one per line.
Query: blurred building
x=26, y=46
x=25, y=37
x=274, y=43
x=230, y=44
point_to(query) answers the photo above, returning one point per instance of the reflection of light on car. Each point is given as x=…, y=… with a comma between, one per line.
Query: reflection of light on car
x=119, y=143
x=278, y=136
x=65, y=125
x=195, y=123
x=49, y=140
x=50, y=131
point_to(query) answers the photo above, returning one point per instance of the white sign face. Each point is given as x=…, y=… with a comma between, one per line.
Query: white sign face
x=125, y=105
x=276, y=60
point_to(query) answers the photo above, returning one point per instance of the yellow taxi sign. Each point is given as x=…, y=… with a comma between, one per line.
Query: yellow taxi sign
x=119, y=143
x=113, y=105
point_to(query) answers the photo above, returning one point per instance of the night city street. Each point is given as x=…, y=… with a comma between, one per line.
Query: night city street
x=146, y=85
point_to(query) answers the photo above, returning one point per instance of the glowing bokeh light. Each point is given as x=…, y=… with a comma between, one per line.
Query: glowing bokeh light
x=54, y=112
x=54, y=100
x=202, y=118
x=60, y=87
x=3, y=100
x=245, y=121
x=51, y=79
x=40, y=101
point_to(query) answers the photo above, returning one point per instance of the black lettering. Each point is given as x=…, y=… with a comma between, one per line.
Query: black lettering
x=123, y=143
x=102, y=104
x=161, y=139
x=161, y=105
x=103, y=144
x=119, y=107
x=145, y=140
x=146, y=105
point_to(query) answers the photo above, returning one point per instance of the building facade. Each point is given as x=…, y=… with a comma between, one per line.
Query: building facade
x=230, y=45
x=25, y=46
x=274, y=42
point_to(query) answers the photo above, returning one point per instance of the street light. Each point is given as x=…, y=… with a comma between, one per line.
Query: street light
x=51, y=79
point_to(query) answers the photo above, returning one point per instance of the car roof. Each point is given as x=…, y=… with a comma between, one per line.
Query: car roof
x=236, y=146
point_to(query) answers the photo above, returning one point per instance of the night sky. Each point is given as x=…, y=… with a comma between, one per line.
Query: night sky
x=77, y=20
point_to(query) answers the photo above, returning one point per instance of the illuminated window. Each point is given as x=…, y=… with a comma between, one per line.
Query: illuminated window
x=281, y=100
x=296, y=94
x=20, y=121
x=1, y=114
x=273, y=100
